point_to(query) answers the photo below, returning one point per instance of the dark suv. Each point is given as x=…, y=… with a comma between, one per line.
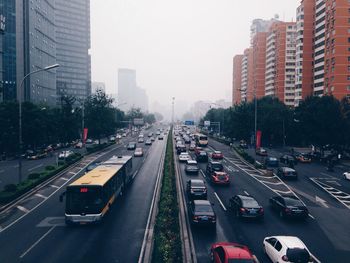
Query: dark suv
x=202, y=156
x=214, y=167
x=196, y=189
x=201, y=213
x=289, y=206
x=287, y=159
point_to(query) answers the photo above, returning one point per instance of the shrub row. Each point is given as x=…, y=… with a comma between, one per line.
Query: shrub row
x=167, y=242
x=245, y=155
x=12, y=191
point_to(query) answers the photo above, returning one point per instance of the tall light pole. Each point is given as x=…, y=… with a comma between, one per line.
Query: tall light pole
x=20, y=116
x=172, y=112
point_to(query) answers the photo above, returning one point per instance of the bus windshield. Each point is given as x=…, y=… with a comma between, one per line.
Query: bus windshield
x=203, y=138
x=84, y=200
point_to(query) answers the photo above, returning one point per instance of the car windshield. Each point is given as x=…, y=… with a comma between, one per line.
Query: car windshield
x=217, y=167
x=197, y=184
x=250, y=202
x=299, y=255
x=221, y=176
x=292, y=202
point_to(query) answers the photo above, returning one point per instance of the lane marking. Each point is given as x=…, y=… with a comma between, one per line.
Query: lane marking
x=23, y=209
x=63, y=178
x=35, y=167
x=333, y=182
x=54, y=186
x=311, y=216
x=40, y=195
x=37, y=242
x=203, y=173
x=137, y=171
x=70, y=172
x=218, y=198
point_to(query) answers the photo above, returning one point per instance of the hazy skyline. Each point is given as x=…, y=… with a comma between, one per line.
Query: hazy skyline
x=178, y=48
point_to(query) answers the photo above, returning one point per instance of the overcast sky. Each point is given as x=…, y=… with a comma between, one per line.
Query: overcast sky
x=180, y=48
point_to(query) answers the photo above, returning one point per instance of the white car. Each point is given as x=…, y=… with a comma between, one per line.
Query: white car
x=65, y=154
x=346, y=175
x=287, y=249
x=184, y=157
x=118, y=136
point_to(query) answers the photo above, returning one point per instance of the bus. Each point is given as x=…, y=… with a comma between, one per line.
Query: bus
x=89, y=198
x=201, y=140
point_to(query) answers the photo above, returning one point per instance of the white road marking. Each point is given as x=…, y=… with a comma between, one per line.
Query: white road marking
x=321, y=201
x=222, y=205
x=137, y=171
x=37, y=242
x=54, y=186
x=63, y=178
x=246, y=193
x=35, y=167
x=311, y=216
x=40, y=195
x=203, y=173
x=23, y=209
x=72, y=173
x=333, y=182
x=274, y=183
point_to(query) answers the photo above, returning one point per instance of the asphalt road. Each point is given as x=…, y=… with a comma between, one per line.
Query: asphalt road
x=41, y=235
x=325, y=233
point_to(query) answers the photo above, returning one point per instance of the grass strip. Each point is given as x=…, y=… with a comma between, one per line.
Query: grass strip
x=167, y=241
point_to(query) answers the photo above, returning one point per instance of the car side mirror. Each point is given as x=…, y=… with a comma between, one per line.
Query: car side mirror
x=62, y=196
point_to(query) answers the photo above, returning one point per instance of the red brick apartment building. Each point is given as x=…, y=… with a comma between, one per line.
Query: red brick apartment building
x=237, y=79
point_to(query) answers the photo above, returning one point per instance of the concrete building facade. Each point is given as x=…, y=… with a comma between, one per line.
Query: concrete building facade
x=237, y=79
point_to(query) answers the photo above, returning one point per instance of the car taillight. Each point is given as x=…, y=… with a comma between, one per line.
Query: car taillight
x=261, y=210
x=242, y=209
x=285, y=258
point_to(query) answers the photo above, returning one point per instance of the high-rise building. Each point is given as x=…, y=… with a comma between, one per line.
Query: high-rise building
x=246, y=65
x=98, y=86
x=9, y=89
x=36, y=49
x=260, y=25
x=73, y=45
x=304, y=50
x=126, y=88
x=280, y=62
x=237, y=79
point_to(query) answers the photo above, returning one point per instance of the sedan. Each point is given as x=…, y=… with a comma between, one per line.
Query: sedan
x=202, y=156
x=201, y=213
x=246, y=206
x=289, y=206
x=196, y=189
x=65, y=154
x=148, y=142
x=303, y=157
x=184, y=157
x=287, y=159
x=192, y=147
x=346, y=175
x=220, y=178
x=138, y=152
x=191, y=167
x=287, y=249
x=140, y=140
x=261, y=152
x=287, y=173
x=225, y=252
x=217, y=155
x=131, y=146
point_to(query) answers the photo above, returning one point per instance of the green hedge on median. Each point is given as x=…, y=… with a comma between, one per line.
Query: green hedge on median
x=167, y=241
x=96, y=147
x=13, y=191
x=245, y=155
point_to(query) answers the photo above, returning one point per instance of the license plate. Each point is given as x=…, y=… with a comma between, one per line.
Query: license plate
x=204, y=218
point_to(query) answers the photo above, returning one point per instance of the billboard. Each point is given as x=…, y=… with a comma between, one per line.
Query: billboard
x=207, y=123
x=138, y=121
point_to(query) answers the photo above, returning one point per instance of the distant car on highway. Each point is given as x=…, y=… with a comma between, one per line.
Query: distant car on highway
x=226, y=252
x=202, y=156
x=138, y=152
x=287, y=159
x=289, y=206
x=243, y=144
x=150, y=134
x=287, y=249
x=271, y=162
x=246, y=206
x=92, y=166
x=346, y=175
x=201, y=213
x=124, y=134
x=220, y=178
x=196, y=189
x=180, y=149
x=35, y=155
x=78, y=145
x=112, y=138
x=158, y=133
x=140, y=140
x=214, y=166
x=131, y=146
x=161, y=137
x=191, y=167
x=184, y=157
x=148, y=142
x=261, y=151
x=152, y=139
x=192, y=146
x=287, y=173
x=303, y=157
x=217, y=155
x=65, y=154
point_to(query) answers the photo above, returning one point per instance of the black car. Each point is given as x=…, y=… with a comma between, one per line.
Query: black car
x=289, y=206
x=287, y=173
x=191, y=167
x=287, y=159
x=196, y=189
x=213, y=166
x=246, y=206
x=202, y=156
x=201, y=213
x=131, y=146
x=180, y=149
x=271, y=162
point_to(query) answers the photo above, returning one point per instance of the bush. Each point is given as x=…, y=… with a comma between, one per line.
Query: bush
x=10, y=188
x=50, y=167
x=33, y=176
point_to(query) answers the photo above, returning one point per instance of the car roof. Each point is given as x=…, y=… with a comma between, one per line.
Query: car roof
x=197, y=181
x=138, y=149
x=291, y=241
x=201, y=202
x=191, y=162
x=235, y=251
x=246, y=197
x=287, y=169
x=220, y=173
x=184, y=153
x=217, y=151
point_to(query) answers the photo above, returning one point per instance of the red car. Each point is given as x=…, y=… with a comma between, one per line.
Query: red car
x=198, y=149
x=220, y=178
x=225, y=252
x=217, y=155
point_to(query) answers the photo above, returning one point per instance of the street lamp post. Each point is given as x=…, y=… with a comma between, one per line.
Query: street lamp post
x=172, y=111
x=20, y=115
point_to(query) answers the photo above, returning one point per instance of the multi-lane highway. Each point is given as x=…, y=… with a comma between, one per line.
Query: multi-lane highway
x=325, y=232
x=34, y=230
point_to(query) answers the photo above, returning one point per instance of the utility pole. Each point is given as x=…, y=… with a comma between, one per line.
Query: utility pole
x=172, y=113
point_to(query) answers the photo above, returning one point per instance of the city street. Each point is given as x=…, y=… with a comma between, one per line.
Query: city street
x=324, y=232
x=43, y=233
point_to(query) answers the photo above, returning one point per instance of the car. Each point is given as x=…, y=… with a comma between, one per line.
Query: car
x=158, y=133
x=112, y=138
x=180, y=149
x=198, y=149
x=202, y=156
x=65, y=154
x=346, y=175
x=150, y=134
x=192, y=146
x=217, y=155
x=303, y=157
x=289, y=206
x=35, y=155
x=191, y=167
x=287, y=173
x=261, y=151
x=201, y=213
x=271, y=161
x=178, y=143
x=220, y=178
x=196, y=189
x=118, y=136
x=152, y=139
x=78, y=145
x=138, y=152
x=89, y=141
x=214, y=166
x=131, y=146
x=92, y=166
x=246, y=206
x=287, y=249
x=227, y=252
x=184, y=157
x=243, y=144
x=148, y=142
x=160, y=137
x=287, y=159
x=124, y=134
x=141, y=135
x=140, y=140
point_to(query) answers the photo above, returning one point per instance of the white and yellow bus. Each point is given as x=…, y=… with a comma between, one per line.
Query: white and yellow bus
x=201, y=140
